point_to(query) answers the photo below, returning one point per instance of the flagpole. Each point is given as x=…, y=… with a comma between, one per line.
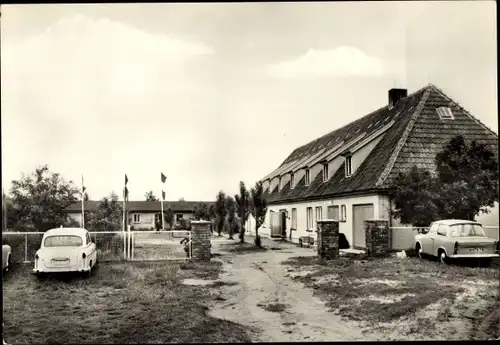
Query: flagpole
x=124, y=209
x=83, y=205
x=162, y=216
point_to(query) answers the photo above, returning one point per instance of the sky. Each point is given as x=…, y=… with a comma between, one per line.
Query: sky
x=211, y=94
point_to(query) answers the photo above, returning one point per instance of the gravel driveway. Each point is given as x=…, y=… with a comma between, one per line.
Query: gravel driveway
x=276, y=308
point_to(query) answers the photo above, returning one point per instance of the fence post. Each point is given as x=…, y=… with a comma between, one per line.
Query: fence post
x=190, y=246
x=132, y=246
x=25, y=248
x=377, y=237
x=200, y=240
x=328, y=238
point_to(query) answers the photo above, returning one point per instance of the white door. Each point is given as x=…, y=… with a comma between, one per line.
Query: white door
x=360, y=213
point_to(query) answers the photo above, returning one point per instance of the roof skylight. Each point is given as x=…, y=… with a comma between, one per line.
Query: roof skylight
x=445, y=113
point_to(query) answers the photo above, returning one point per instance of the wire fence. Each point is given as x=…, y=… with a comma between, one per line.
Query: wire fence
x=111, y=245
x=160, y=245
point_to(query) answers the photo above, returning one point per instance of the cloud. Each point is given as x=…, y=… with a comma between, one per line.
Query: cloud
x=341, y=61
x=83, y=85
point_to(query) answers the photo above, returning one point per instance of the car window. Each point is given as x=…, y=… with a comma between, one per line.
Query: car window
x=442, y=230
x=433, y=228
x=89, y=240
x=63, y=241
x=467, y=230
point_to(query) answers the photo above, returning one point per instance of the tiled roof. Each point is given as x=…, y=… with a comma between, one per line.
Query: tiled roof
x=415, y=137
x=144, y=206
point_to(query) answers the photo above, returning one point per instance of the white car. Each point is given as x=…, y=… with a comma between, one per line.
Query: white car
x=65, y=250
x=6, y=257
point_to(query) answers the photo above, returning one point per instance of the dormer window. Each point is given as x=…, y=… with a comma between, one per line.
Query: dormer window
x=348, y=166
x=292, y=180
x=445, y=113
x=308, y=177
x=325, y=172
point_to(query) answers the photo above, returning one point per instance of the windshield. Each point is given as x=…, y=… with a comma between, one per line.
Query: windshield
x=63, y=241
x=467, y=230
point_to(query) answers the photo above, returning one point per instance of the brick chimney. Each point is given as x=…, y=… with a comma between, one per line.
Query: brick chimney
x=395, y=95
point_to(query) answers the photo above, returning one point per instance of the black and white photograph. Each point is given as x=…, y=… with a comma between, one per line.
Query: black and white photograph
x=249, y=172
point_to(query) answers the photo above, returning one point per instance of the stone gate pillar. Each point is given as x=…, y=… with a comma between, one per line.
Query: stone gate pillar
x=328, y=238
x=378, y=237
x=201, y=241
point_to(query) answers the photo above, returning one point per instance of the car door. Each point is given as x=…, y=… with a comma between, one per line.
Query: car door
x=440, y=238
x=428, y=240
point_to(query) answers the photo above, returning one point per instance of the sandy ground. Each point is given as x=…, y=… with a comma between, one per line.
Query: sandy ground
x=264, y=282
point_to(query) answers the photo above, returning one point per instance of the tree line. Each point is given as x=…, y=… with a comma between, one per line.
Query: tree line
x=463, y=184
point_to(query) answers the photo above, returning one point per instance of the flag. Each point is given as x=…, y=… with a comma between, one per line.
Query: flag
x=126, y=179
x=163, y=195
x=125, y=193
x=163, y=178
x=83, y=187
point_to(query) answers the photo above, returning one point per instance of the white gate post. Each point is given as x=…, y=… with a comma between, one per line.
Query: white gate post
x=25, y=248
x=129, y=242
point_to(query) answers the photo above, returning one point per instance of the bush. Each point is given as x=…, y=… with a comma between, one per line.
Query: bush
x=21, y=243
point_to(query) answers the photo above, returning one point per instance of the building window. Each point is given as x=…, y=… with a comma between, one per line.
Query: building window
x=333, y=212
x=157, y=218
x=319, y=214
x=348, y=166
x=308, y=177
x=137, y=218
x=343, y=213
x=325, y=172
x=309, y=213
x=279, y=184
x=445, y=113
x=294, y=219
x=292, y=181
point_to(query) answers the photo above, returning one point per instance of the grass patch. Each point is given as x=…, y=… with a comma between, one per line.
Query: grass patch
x=201, y=270
x=273, y=307
x=242, y=248
x=120, y=303
x=383, y=290
x=220, y=283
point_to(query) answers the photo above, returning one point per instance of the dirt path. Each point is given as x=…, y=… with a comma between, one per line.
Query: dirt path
x=262, y=282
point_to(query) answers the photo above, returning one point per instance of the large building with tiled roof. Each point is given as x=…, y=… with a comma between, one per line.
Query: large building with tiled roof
x=346, y=174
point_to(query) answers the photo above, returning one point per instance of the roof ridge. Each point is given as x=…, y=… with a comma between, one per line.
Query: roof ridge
x=440, y=92
x=348, y=124
x=404, y=137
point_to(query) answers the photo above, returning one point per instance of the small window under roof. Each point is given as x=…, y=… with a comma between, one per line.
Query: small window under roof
x=376, y=123
x=445, y=113
x=369, y=125
x=397, y=114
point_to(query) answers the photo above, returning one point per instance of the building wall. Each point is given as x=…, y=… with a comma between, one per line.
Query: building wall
x=75, y=216
x=344, y=227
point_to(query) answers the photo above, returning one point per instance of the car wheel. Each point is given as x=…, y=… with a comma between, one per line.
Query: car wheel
x=418, y=251
x=40, y=276
x=89, y=272
x=443, y=258
x=9, y=264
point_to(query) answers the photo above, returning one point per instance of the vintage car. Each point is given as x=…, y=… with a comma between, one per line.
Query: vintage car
x=6, y=257
x=65, y=250
x=457, y=239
